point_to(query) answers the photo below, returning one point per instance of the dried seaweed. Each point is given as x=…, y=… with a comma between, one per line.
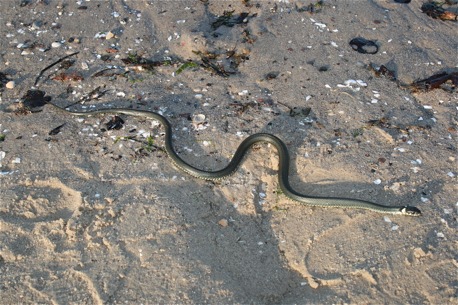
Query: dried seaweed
x=435, y=10
x=110, y=72
x=141, y=63
x=435, y=81
x=209, y=61
x=314, y=7
x=69, y=77
x=222, y=66
x=383, y=71
x=52, y=65
x=56, y=130
x=186, y=65
x=228, y=19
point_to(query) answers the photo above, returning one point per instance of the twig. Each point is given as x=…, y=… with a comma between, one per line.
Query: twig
x=52, y=65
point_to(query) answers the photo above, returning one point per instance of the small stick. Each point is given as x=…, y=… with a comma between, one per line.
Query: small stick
x=52, y=65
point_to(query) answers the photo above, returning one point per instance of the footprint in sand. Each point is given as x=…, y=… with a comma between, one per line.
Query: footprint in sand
x=41, y=201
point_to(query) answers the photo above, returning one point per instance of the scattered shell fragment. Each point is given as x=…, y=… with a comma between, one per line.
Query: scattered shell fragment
x=353, y=84
x=109, y=35
x=10, y=84
x=56, y=44
x=2, y=156
x=223, y=222
x=198, y=121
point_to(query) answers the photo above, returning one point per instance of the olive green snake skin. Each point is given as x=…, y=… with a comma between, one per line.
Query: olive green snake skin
x=283, y=167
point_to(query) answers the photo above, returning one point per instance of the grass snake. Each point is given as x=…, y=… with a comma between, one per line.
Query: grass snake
x=283, y=167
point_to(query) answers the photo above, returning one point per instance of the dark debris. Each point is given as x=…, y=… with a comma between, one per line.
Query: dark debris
x=229, y=19
x=435, y=10
x=363, y=45
x=435, y=81
x=115, y=123
x=33, y=101
x=56, y=130
x=137, y=62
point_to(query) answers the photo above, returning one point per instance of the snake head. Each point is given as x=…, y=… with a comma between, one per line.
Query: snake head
x=410, y=211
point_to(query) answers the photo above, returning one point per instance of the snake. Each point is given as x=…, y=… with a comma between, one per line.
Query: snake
x=283, y=166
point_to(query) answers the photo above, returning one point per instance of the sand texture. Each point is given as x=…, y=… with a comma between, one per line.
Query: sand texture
x=96, y=216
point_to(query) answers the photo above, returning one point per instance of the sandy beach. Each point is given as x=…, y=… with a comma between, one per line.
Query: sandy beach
x=93, y=210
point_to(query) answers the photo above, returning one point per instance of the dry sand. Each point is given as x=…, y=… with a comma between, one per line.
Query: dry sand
x=92, y=217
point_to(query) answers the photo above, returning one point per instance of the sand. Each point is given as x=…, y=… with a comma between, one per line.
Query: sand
x=89, y=216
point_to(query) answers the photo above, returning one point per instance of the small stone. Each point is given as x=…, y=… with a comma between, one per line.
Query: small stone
x=74, y=40
x=2, y=156
x=10, y=84
x=56, y=44
x=419, y=253
x=37, y=24
x=223, y=222
x=109, y=35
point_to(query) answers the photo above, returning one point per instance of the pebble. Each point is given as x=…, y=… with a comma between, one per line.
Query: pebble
x=56, y=44
x=37, y=24
x=419, y=253
x=2, y=156
x=10, y=84
x=223, y=222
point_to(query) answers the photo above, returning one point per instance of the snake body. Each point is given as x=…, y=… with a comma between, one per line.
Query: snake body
x=283, y=168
